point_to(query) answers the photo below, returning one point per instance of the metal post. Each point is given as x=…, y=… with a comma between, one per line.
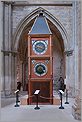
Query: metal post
x=61, y=107
x=17, y=98
x=66, y=97
x=36, y=95
x=36, y=102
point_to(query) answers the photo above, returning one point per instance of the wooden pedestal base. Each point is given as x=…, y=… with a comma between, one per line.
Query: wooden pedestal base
x=56, y=101
x=24, y=100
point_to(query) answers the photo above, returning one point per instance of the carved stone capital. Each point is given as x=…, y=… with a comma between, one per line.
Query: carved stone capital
x=69, y=52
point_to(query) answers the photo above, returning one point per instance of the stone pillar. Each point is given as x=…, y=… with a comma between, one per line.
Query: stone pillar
x=70, y=72
x=9, y=43
x=13, y=73
x=7, y=80
x=3, y=57
x=7, y=48
x=75, y=45
x=76, y=107
x=15, y=78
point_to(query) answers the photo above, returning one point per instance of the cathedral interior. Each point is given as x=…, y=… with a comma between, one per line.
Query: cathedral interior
x=41, y=42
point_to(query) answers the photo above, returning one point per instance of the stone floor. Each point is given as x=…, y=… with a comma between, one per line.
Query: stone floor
x=27, y=113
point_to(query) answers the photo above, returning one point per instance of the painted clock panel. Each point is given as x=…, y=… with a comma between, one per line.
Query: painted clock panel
x=40, y=68
x=40, y=46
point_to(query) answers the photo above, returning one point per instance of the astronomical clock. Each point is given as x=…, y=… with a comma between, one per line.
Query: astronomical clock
x=40, y=72
x=39, y=46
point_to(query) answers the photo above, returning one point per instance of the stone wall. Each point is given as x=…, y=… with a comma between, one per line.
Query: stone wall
x=57, y=63
x=76, y=108
x=15, y=12
x=13, y=15
x=64, y=14
x=68, y=13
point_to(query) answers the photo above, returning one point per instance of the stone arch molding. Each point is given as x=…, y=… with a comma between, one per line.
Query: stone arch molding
x=31, y=16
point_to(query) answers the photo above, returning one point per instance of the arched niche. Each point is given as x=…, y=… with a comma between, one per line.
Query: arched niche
x=59, y=39
x=30, y=17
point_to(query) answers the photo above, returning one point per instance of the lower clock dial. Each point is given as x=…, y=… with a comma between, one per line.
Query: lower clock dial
x=40, y=69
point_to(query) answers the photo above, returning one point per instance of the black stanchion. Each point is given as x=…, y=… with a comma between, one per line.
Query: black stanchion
x=37, y=102
x=17, y=98
x=66, y=97
x=36, y=95
x=61, y=92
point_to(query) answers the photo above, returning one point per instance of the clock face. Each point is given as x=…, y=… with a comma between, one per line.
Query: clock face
x=40, y=69
x=40, y=46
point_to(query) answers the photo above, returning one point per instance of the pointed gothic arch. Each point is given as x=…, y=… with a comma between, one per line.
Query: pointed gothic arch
x=55, y=26
x=30, y=17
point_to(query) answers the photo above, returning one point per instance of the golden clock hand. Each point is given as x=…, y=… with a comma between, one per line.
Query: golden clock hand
x=40, y=47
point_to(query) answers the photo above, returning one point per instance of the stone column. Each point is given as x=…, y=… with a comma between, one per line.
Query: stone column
x=7, y=79
x=76, y=108
x=9, y=43
x=7, y=48
x=70, y=72
x=13, y=73
x=3, y=56
x=15, y=78
x=71, y=77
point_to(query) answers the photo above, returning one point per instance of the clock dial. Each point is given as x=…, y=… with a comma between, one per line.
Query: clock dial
x=40, y=47
x=40, y=69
